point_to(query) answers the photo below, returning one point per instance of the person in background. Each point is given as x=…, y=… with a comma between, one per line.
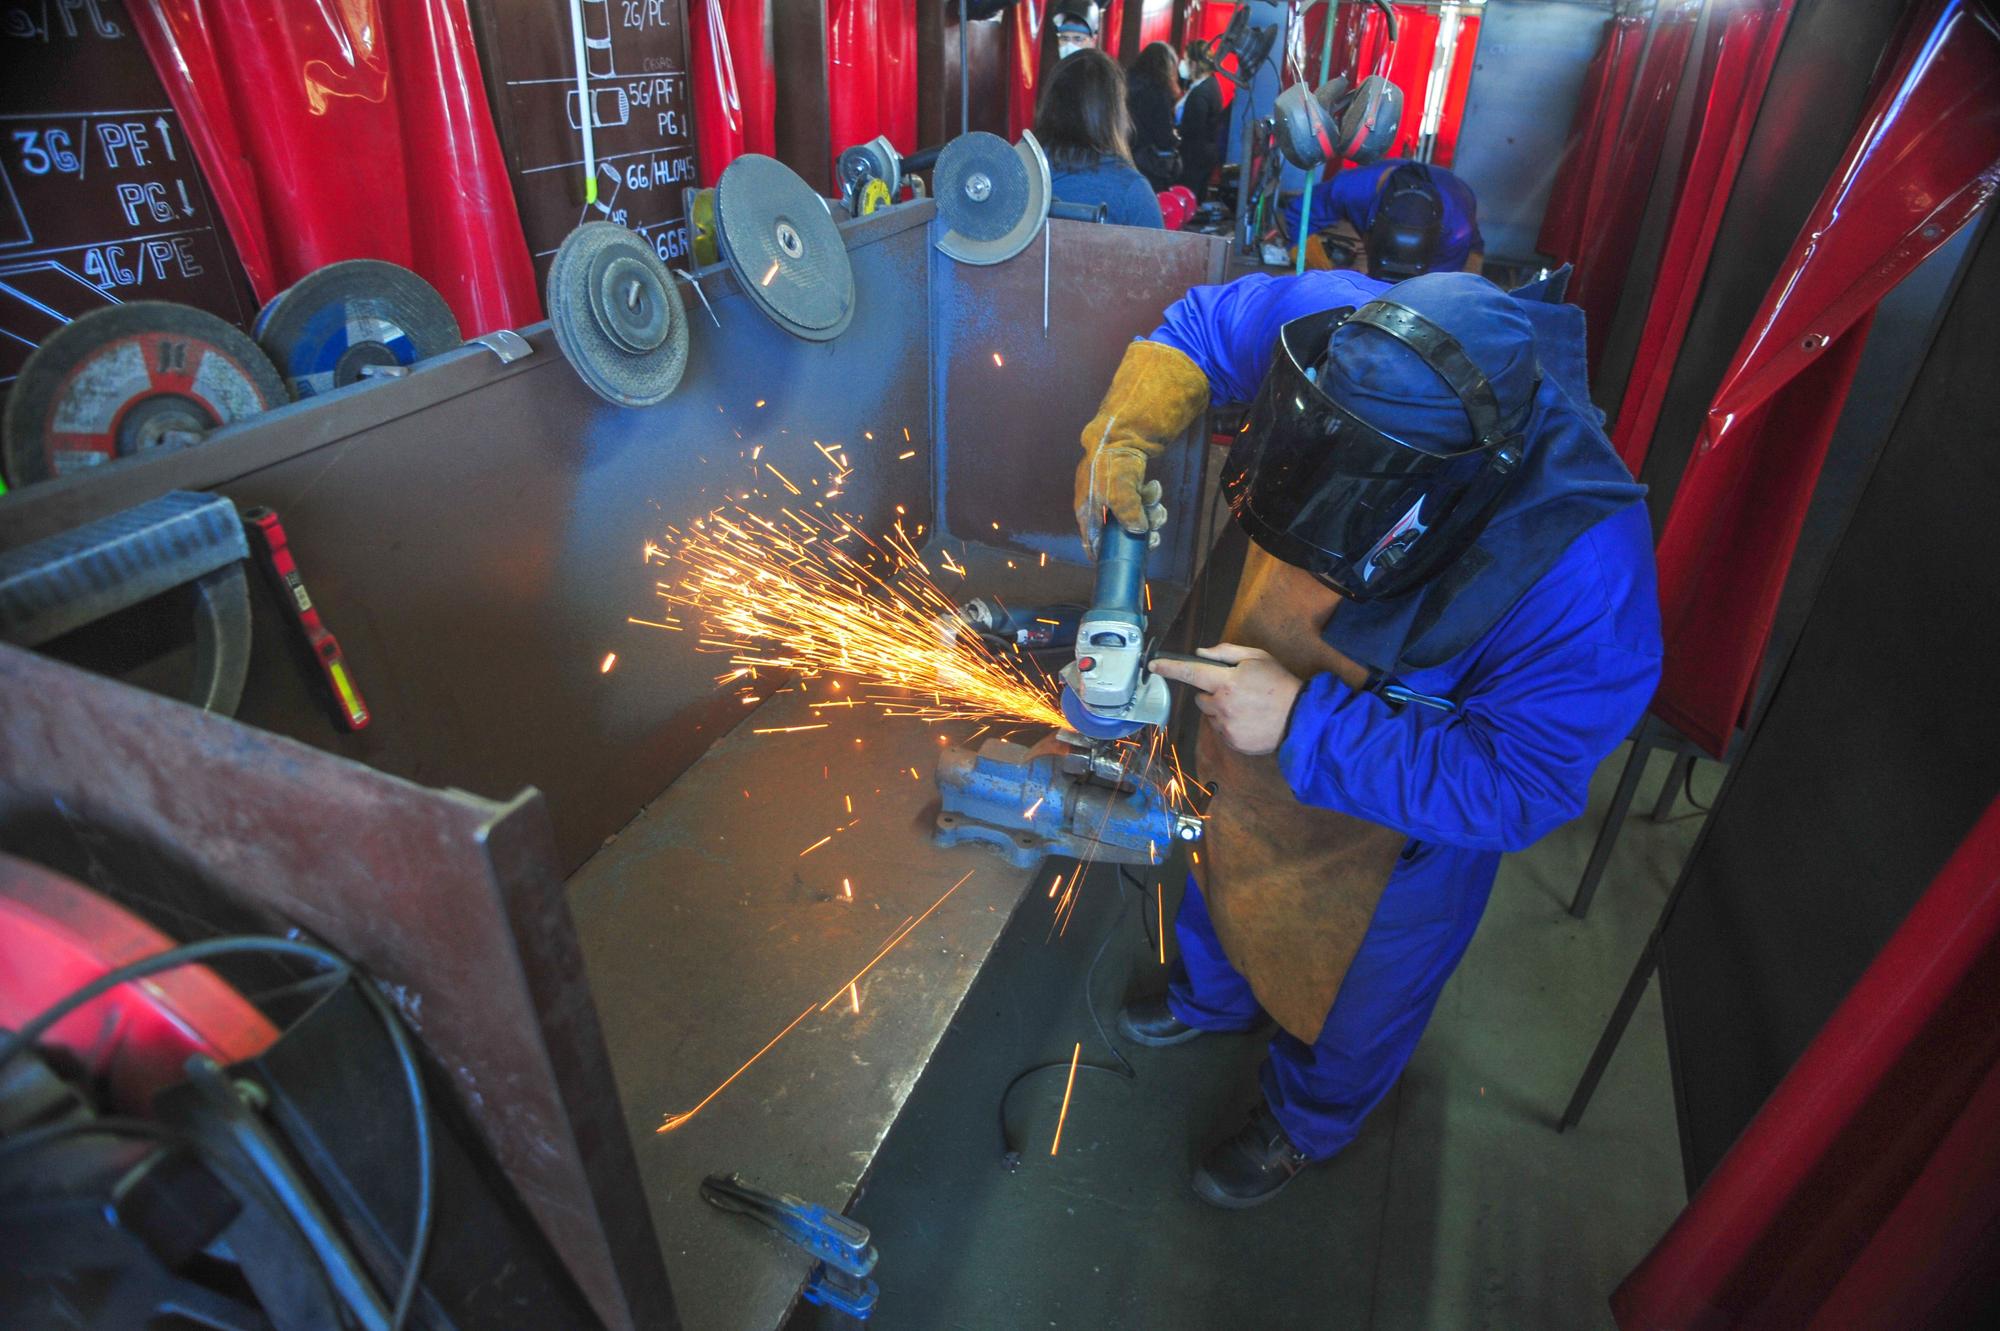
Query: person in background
x=1084, y=126
x=1152, y=89
x=1411, y=218
x=1203, y=120
x=1076, y=29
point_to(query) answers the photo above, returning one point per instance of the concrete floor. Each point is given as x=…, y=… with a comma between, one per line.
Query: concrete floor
x=1458, y=1206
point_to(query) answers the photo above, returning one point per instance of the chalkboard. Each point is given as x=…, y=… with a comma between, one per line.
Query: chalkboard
x=640, y=115
x=100, y=198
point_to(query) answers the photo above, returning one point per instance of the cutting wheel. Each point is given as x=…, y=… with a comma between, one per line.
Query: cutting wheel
x=618, y=315
x=992, y=198
x=786, y=252
x=334, y=325
x=126, y=378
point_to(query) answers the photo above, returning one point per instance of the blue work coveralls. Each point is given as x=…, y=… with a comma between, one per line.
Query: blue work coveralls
x=1355, y=196
x=1500, y=751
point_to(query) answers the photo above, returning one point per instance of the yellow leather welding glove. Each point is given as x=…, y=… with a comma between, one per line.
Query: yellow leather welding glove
x=1156, y=394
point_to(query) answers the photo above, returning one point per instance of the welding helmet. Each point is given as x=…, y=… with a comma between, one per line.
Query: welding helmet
x=1378, y=447
x=1409, y=221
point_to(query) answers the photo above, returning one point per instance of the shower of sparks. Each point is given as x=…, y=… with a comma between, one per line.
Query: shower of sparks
x=820, y=596
x=610, y=659
x=1076, y=1056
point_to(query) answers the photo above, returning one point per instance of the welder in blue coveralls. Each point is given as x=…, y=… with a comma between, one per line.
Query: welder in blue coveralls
x=1446, y=620
x=1411, y=217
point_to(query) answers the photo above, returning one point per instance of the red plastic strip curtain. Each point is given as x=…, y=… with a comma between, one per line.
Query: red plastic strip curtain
x=1592, y=135
x=1465, y=50
x=735, y=93
x=1924, y=162
x=1024, y=63
x=871, y=48
x=1738, y=70
x=1619, y=193
x=1111, y=28
x=350, y=131
x=1866, y=1191
x=1156, y=22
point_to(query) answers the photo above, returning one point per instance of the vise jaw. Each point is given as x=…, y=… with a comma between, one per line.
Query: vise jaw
x=1061, y=797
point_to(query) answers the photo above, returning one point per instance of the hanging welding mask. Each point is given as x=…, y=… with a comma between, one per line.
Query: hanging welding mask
x=1370, y=514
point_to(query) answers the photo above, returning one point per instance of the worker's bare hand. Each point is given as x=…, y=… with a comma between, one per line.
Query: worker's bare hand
x=1250, y=705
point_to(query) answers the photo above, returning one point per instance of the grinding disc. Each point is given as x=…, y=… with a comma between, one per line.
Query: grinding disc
x=618, y=315
x=126, y=378
x=992, y=199
x=782, y=245
x=335, y=323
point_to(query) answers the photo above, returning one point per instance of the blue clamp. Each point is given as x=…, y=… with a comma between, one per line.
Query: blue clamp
x=846, y=1254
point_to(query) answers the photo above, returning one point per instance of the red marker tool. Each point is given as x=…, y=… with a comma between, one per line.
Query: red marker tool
x=267, y=534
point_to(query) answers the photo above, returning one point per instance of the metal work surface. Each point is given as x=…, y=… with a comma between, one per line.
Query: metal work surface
x=205, y=826
x=713, y=922
x=1013, y=401
x=474, y=534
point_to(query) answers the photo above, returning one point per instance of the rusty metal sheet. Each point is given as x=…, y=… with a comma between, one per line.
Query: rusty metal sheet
x=706, y=931
x=474, y=535
x=1012, y=402
x=206, y=826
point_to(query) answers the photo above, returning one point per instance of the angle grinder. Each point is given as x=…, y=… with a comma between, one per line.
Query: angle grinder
x=1107, y=691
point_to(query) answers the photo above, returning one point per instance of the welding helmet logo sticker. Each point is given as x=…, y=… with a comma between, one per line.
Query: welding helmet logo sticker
x=1395, y=543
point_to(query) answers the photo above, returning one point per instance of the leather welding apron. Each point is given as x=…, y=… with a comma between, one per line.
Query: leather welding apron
x=1290, y=888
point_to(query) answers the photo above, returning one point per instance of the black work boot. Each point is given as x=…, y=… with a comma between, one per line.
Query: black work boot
x=1149, y=1021
x=1251, y=1166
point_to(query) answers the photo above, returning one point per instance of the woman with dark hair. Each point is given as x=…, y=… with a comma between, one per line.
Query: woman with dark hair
x=1086, y=130
x=1203, y=119
x=1152, y=90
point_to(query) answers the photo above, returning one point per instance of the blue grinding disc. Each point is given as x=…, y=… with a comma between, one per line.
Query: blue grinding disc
x=1088, y=723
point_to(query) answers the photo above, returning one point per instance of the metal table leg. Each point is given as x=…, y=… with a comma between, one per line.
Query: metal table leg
x=1643, y=744
x=1677, y=776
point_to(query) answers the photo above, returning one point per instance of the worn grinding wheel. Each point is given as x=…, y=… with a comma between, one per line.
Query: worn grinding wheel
x=618, y=315
x=127, y=378
x=782, y=245
x=336, y=324
x=992, y=197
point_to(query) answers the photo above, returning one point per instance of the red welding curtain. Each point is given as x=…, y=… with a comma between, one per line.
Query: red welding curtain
x=1205, y=23
x=1619, y=192
x=735, y=93
x=1924, y=162
x=1024, y=63
x=871, y=48
x=1735, y=72
x=1111, y=29
x=1156, y=23
x=349, y=130
x=1593, y=134
x=1866, y=1191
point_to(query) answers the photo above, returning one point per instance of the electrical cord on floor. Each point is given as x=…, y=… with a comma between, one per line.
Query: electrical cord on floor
x=399, y=1038
x=1010, y=1153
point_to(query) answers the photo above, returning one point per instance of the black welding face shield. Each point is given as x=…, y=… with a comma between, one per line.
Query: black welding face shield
x=1369, y=514
x=1409, y=224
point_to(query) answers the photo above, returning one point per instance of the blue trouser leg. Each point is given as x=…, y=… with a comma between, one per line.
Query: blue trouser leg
x=1321, y=1092
x=1203, y=989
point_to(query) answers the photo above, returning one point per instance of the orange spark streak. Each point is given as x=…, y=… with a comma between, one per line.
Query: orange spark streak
x=1076, y=1056
x=786, y=479
x=997, y=362
x=769, y=273
x=610, y=659
x=816, y=845
x=673, y=1121
x=1160, y=917
x=847, y=889
x=850, y=802
x=652, y=623
x=909, y=927
x=854, y=995
x=786, y=730
x=1028, y=813
x=904, y=457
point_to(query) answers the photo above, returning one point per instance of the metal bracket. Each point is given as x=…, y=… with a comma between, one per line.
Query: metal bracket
x=505, y=343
